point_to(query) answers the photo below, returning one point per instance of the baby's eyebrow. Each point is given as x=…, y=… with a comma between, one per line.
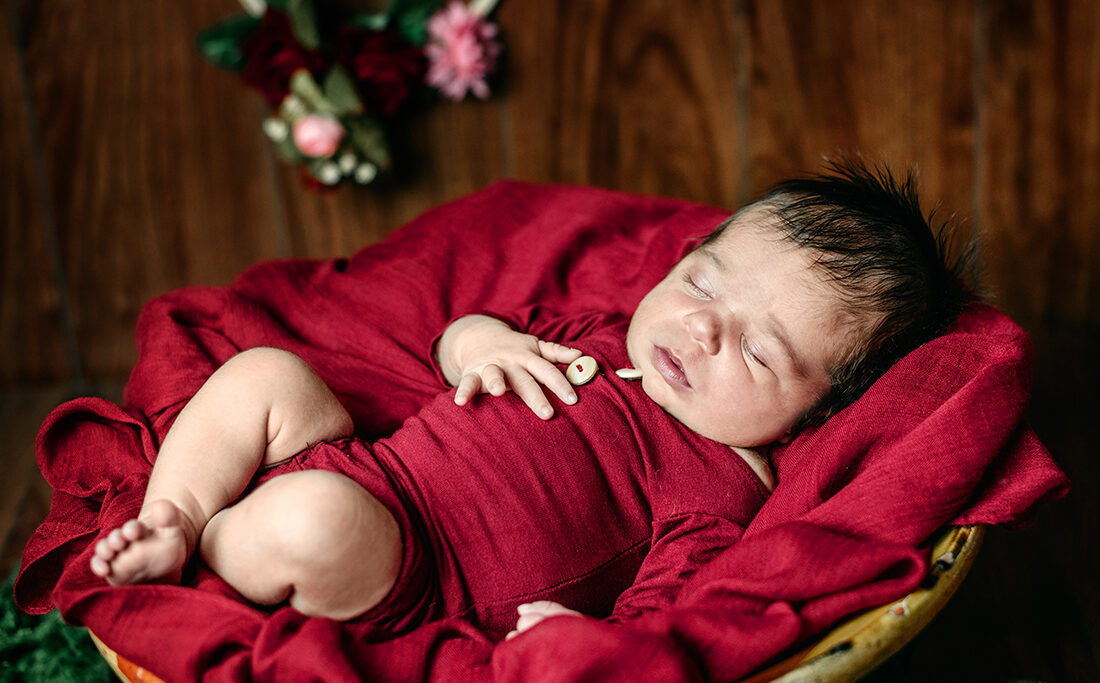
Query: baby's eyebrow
x=713, y=256
x=776, y=331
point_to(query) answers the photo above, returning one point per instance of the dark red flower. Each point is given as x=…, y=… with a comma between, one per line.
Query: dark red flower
x=383, y=64
x=273, y=55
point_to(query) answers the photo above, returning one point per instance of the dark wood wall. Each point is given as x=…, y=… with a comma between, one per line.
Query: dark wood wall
x=131, y=167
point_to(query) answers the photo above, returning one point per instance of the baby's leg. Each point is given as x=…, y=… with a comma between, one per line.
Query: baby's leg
x=314, y=538
x=261, y=407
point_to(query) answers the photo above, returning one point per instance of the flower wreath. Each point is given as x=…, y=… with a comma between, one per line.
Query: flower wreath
x=334, y=78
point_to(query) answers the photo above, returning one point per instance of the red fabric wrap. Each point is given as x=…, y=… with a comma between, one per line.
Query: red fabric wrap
x=940, y=439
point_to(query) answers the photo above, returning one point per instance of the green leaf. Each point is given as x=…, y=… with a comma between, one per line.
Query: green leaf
x=221, y=43
x=288, y=151
x=376, y=21
x=410, y=18
x=305, y=87
x=303, y=21
x=369, y=139
x=339, y=89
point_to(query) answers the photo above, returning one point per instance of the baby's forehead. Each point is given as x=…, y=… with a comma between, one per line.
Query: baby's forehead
x=748, y=231
x=760, y=218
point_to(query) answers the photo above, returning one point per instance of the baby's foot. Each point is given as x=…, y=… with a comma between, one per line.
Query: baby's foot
x=152, y=549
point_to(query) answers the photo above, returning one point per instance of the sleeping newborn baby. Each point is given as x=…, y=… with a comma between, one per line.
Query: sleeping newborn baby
x=544, y=497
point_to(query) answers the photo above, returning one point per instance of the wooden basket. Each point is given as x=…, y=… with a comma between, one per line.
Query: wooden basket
x=850, y=650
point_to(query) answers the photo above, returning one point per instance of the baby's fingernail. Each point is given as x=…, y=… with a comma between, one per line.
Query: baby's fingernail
x=523, y=608
x=571, y=399
x=546, y=411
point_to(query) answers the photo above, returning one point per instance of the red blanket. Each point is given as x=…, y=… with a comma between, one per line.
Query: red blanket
x=941, y=439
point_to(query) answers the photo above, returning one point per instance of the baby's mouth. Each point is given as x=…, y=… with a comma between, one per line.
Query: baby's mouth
x=670, y=367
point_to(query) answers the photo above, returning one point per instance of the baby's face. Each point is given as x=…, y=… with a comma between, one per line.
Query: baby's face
x=735, y=341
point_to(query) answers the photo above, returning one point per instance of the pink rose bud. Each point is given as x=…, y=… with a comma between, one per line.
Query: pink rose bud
x=318, y=136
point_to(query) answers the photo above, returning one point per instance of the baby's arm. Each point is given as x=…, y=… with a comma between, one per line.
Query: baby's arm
x=482, y=354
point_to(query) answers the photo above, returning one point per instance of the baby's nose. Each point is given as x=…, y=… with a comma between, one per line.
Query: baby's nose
x=705, y=330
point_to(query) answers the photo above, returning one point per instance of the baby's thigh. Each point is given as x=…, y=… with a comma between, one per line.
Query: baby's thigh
x=313, y=537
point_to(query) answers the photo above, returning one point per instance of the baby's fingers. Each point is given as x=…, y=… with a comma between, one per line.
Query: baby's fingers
x=468, y=385
x=535, y=613
x=558, y=353
x=489, y=379
x=526, y=621
x=528, y=389
x=552, y=378
x=494, y=380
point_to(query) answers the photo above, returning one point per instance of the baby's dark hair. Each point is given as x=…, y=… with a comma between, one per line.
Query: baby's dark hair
x=873, y=242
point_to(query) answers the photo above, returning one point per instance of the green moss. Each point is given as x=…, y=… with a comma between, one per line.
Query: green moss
x=45, y=648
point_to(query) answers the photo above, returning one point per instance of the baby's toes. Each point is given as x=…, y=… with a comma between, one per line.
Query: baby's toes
x=104, y=551
x=100, y=566
x=133, y=530
x=117, y=541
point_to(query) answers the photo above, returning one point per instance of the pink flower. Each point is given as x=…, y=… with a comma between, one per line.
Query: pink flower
x=462, y=51
x=318, y=136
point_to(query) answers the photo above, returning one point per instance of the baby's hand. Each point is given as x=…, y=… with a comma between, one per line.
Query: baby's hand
x=533, y=613
x=479, y=354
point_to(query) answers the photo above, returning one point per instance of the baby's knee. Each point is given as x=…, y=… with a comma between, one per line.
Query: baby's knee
x=321, y=510
x=268, y=358
x=342, y=545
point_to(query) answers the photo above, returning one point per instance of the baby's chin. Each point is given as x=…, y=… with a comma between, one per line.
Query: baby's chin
x=722, y=434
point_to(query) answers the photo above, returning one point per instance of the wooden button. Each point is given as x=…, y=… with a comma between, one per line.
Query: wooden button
x=581, y=371
x=629, y=373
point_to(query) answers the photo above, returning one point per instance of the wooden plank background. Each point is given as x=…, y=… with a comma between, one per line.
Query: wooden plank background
x=131, y=167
